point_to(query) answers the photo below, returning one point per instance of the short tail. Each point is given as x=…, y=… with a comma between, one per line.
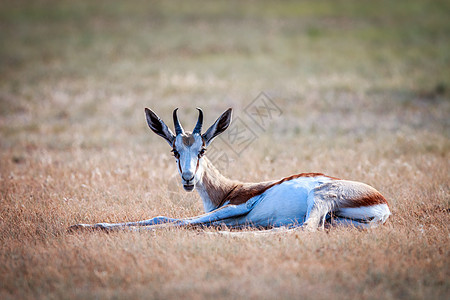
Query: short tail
x=364, y=216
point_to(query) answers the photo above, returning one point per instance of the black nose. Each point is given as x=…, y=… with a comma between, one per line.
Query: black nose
x=187, y=177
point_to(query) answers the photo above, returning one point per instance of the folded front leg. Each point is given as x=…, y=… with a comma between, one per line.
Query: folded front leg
x=226, y=215
x=229, y=215
x=110, y=226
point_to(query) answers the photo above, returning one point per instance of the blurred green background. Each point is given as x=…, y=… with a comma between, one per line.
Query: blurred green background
x=80, y=67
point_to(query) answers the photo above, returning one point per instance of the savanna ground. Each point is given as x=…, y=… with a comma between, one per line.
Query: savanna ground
x=363, y=87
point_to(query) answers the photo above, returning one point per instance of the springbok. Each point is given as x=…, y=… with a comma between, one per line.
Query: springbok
x=306, y=200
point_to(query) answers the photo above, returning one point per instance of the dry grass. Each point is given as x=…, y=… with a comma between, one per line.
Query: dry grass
x=364, y=91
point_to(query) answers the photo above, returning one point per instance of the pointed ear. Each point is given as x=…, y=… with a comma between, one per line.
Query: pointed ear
x=218, y=127
x=158, y=126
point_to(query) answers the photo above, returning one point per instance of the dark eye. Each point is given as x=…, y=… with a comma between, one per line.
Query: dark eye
x=201, y=152
x=176, y=154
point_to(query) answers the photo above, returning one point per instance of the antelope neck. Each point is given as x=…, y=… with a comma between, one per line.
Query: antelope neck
x=216, y=190
x=213, y=187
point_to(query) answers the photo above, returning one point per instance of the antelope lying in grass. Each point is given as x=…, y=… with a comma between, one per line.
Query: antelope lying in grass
x=306, y=200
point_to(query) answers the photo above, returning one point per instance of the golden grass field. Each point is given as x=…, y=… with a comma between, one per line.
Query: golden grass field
x=363, y=87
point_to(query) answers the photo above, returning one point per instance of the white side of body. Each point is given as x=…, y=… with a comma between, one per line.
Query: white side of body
x=285, y=204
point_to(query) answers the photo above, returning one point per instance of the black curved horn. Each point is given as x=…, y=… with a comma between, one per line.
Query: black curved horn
x=178, y=128
x=198, y=127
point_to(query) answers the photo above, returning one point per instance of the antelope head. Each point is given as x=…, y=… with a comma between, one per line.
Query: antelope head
x=188, y=148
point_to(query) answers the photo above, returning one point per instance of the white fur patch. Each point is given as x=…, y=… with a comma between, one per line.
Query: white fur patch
x=376, y=213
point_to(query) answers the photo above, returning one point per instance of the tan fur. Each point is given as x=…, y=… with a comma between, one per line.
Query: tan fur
x=217, y=186
x=347, y=194
x=188, y=139
x=248, y=190
x=356, y=194
x=221, y=189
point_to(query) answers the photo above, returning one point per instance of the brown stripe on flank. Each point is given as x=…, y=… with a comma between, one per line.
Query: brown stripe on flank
x=348, y=193
x=305, y=175
x=221, y=189
x=244, y=191
x=369, y=198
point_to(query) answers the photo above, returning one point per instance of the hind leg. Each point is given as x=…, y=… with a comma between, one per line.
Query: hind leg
x=349, y=200
x=371, y=216
x=341, y=221
x=320, y=204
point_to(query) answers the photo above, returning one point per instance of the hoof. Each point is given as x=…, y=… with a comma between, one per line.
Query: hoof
x=79, y=227
x=309, y=227
x=89, y=227
x=102, y=226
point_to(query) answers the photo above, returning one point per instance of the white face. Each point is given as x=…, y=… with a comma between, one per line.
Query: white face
x=188, y=148
x=188, y=151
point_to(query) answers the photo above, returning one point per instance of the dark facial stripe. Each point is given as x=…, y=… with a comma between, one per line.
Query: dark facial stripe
x=196, y=167
x=179, y=167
